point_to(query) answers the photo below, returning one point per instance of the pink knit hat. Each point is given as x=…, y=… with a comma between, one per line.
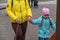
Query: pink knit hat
x=45, y=11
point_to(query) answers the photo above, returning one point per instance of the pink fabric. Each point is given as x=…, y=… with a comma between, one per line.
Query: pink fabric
x=45, y=11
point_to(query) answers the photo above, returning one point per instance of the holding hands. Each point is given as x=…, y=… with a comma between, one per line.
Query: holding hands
x=30, y=19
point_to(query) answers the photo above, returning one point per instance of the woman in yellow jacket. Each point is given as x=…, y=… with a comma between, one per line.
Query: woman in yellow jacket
x=19, y=13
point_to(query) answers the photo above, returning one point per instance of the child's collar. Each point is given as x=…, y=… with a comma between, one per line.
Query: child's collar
x=44, y=17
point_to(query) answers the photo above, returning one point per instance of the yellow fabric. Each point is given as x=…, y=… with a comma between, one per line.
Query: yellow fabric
x=19, y=10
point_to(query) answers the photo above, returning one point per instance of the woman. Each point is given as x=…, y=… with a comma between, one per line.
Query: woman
x=19, y=13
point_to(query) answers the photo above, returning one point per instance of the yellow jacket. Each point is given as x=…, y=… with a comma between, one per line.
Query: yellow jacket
x=18, y=9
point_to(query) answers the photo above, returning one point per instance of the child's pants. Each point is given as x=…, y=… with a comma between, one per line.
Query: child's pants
x=40, y=38
x=21, y=30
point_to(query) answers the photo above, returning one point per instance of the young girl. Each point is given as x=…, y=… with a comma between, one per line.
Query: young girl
x=44, y=22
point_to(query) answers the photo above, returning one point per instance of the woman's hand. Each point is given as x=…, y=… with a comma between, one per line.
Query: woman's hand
x=18, y=20
x=30, y=19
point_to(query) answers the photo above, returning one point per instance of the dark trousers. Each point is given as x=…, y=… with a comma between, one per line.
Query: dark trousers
x=40, y=38
x=29, y=2
x=20, y=33
x=35, y=3
x=32, y=1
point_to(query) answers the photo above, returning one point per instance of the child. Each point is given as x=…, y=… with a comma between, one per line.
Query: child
x=44, y=22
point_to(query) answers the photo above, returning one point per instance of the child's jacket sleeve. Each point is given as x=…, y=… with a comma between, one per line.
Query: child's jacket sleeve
x=36, y=21
x=53, y=25
x=8, y=10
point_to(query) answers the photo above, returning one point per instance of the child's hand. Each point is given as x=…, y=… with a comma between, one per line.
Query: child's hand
x=30, y=19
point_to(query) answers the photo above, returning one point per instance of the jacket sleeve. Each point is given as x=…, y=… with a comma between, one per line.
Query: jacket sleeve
x=36, y=21
x=53, y=25
x=8, y=10
x=28, y=9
